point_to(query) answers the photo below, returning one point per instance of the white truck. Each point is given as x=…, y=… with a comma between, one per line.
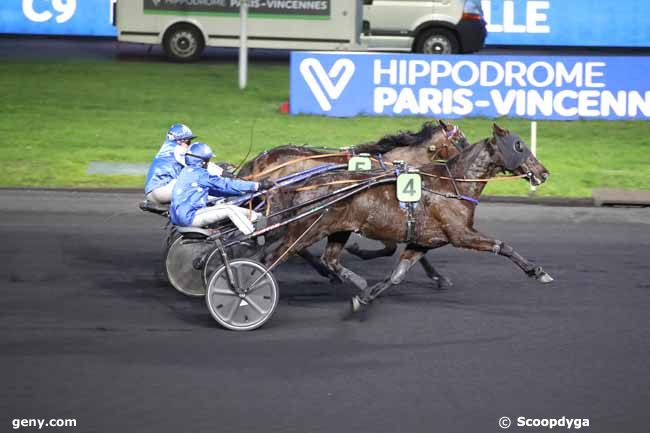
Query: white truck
x=185, y=27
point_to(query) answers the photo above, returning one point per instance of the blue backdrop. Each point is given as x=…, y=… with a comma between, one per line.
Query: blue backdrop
x=57, y=17
x=620, y=23
x=511, y=22
x=563, y=88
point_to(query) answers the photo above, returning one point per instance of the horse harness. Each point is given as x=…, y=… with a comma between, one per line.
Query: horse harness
x=410, y=207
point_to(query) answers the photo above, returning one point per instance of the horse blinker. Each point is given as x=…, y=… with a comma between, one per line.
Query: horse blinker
x=513, y=150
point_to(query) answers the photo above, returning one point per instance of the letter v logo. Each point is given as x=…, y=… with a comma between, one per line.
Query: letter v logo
x=321, y=83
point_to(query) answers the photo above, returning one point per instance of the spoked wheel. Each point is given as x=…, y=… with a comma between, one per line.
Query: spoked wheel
x=179, y=265
x=214, y=261
x=251, y=309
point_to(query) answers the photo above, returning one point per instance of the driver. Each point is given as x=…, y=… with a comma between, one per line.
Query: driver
x=190, y=194
x=167, y=165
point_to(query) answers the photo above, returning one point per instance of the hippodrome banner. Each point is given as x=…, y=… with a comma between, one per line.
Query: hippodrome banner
x=620, y=23
x=95, y=17
x=535, y=87
x=287, y=8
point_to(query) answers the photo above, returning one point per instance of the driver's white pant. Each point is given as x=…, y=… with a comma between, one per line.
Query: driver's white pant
x=163, y=194
x=242, y=218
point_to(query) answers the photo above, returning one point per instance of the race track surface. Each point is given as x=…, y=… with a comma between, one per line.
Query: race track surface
x=90, y=330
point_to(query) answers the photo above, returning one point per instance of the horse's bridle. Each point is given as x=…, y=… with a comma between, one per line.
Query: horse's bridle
x=453, y=136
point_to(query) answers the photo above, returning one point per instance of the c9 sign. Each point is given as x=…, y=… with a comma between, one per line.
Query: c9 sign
x=65, y=9
x=57, y=17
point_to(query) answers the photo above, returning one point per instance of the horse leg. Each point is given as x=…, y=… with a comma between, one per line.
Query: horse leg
x=318, y=265
x=409, y=257
x=331, y=256
x=439, y=279
x=474, y=240
x=388, y=250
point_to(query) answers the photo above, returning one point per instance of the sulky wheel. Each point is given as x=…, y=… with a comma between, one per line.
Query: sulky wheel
x=250, y=309
x=213, y=263
x=171, y=237
x=179, y=266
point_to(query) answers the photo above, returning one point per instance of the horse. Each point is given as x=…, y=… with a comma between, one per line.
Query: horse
x=434, y=142
x=445, y=214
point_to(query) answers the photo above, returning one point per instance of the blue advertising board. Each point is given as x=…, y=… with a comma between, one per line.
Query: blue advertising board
x=535, y=87
x=620, y=23
x=57, y=17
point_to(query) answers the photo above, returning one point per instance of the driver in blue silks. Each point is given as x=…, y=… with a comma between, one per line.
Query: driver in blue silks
x=190, y=194
x=167, y=165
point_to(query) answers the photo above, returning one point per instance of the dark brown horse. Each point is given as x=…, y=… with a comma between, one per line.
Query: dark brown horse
x=434, y=141
x=440, y=219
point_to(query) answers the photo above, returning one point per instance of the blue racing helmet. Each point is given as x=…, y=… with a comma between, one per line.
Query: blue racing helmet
x=198, y=154
x=178, y=131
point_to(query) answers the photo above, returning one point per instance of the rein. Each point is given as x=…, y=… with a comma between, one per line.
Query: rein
x=447, y=195
x=489, y=179
x=338, y=182
x=293, y=161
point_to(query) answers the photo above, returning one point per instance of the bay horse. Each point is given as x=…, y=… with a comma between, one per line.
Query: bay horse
x=442, y=217
x=435, y=141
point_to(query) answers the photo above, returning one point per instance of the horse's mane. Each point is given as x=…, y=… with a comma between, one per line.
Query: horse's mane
x=385, y=144
x=401, y=139
x=302, y=148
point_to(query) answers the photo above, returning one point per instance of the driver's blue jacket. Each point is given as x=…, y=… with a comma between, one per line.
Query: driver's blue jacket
x=164, y=168
x=168, y=146
x=192, y=188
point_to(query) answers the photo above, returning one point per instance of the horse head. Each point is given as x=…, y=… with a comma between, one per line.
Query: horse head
x=454, y=136
x=443, y=140
x=434, y=141
x=514, y=156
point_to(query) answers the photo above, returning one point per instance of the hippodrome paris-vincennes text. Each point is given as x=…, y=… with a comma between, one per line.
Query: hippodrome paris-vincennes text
x=442, y=87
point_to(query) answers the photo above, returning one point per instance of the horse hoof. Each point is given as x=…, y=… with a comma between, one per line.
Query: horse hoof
x=442, y=282
x=357, y=304
x=544, y=278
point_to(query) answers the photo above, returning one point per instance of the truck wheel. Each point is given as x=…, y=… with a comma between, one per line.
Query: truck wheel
x=436, y=41
x=183, y=43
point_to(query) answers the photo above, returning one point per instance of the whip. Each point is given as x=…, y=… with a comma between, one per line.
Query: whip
x=250, y=147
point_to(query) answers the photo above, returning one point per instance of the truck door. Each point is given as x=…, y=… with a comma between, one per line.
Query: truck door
x=396, y=17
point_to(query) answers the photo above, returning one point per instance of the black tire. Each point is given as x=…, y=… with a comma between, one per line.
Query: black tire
x=183, y=43
x=437, y=41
